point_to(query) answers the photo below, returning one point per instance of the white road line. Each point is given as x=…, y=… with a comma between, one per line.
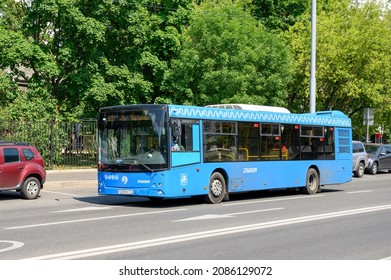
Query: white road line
x=227, y=204
x=95, y=219
x=255, y=211
x=205, y=234
x=229, y=215
x=387, y=258
x=14, y=245
x=92, y=208
x=366, y=191
x=62, y=193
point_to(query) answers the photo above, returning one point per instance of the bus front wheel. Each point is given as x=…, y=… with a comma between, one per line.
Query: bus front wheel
x=312, y=182
x=217, y=188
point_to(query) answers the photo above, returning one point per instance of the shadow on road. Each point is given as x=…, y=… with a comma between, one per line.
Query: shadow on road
x=180, y=202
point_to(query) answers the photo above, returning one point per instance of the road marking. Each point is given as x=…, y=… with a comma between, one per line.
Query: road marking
x=387, y=258
x=62, y=193
x=92, y=208
x=205, y=234
x=366, y=191
x=95, y=219
x=204, y=217
x=231, y=215
x=227, y=204
x=14, y=245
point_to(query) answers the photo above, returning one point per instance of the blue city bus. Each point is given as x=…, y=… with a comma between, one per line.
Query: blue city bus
x=174, y=151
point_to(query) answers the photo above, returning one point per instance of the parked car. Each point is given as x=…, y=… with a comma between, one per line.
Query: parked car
x=360, y=159
x=379, y=157
x=22, y=169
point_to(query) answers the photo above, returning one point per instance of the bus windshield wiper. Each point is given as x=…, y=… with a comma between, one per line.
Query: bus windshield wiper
x=135, y=161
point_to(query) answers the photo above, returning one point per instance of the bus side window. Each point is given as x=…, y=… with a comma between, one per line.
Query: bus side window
x=270, y=141
x=329, y=143
x=248, y=141
x=188, y=140
x=220, y=141
x=290, y=135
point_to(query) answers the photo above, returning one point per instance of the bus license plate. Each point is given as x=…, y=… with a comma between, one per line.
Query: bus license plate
x=125, y=191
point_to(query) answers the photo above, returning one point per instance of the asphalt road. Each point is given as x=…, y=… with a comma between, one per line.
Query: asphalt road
x=71, y=175
x=71, y=221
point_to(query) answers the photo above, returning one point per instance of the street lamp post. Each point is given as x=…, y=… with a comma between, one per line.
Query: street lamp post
x=313, y=59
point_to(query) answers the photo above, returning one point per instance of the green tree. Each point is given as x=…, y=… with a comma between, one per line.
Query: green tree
x=140, y=38
x=279, y=14
x=8, y=90
x=353, y=59
x=88, y=54
x=17, y=54
x=11, y=13
x=227, y=56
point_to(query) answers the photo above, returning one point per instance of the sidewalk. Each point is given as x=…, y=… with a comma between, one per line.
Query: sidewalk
x=74, y=177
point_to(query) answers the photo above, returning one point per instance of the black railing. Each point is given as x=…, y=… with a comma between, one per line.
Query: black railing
x=62, y=144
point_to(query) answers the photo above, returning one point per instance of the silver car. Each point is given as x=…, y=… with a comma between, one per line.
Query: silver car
x=360, y=159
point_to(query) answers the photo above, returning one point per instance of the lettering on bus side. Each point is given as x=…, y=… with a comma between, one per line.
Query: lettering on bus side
x=247, y=170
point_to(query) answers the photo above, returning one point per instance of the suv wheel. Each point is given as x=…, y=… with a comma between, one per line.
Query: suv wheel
x=31, y=188
x=374, y=168
x=360, y=170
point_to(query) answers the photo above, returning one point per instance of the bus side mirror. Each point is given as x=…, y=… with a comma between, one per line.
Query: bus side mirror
x=103, y=122
x=175, y=129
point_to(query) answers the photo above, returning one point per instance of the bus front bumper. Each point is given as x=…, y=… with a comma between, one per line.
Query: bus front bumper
x=146, y=192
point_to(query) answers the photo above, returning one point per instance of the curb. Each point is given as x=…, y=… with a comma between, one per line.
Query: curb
x=59, y=171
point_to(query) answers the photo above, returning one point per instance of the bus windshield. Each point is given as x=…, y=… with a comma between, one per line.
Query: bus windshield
x=133, y=140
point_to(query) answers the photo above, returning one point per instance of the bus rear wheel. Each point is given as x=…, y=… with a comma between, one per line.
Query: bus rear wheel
x=217, y=189
x=312, y=182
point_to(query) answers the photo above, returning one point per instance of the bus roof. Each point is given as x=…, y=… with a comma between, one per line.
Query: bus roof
x=250, y=107
x=265, y=114
x=329, y=118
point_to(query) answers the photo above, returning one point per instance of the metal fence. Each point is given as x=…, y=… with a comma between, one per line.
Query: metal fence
x=62, y=144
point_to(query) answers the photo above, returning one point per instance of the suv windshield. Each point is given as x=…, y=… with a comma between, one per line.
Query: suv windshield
x=371, y=149
x=133, y=140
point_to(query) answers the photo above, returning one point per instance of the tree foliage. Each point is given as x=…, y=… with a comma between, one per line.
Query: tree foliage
x=228, y=56
x=11, y=13
x=89, y=54
x=279, y=14
x=353, y=59
x=84, y=54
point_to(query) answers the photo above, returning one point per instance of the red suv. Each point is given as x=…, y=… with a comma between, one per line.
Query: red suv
x=22, y=169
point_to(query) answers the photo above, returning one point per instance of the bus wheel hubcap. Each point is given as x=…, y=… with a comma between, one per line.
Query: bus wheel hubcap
x=311, y=182
x=216, y=188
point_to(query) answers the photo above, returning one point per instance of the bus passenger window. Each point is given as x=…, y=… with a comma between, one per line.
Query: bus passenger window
x=290, y=137
x=312, y=142
x=248, y=141
x=270, y=141
x=329, y=143
x=220, y=141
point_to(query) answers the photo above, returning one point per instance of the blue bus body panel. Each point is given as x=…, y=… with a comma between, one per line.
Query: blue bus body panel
x=185, y=158
x=179, y=182
x=193, y=180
